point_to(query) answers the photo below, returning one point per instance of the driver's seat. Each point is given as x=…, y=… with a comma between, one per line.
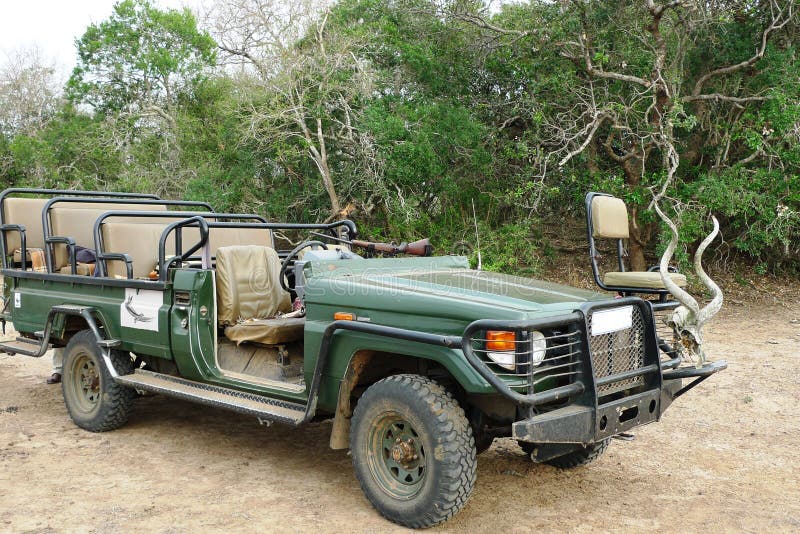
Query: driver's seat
x=249, y=297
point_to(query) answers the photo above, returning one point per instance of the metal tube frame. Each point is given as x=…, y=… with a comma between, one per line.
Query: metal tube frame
x=98, y=235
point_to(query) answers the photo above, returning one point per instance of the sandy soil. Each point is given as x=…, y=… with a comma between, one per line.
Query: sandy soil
x=722, y=459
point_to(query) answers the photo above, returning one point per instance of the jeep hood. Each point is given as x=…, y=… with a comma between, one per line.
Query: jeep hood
x=449, y=278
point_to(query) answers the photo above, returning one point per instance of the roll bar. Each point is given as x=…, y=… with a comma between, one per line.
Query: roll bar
x=164, y=265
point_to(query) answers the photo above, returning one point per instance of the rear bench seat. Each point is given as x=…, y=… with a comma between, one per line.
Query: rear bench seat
x=140, y=241
x=76, y=220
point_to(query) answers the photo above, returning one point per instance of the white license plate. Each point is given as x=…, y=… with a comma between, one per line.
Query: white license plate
x=612, y=320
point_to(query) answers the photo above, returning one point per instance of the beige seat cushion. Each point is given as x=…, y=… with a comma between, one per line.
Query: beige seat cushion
x=82, y=269
x=267, y=331
x=139, y=237
x=247, y=284
x=609, y=218
x=226, y=237
x=76, y=220
x=648, y=280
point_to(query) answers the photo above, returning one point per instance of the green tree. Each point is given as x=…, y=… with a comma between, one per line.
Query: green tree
x=140, y=59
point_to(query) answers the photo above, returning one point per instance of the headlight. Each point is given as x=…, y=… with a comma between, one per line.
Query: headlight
x=538, y=348
x=504, y=354
x=500, y=346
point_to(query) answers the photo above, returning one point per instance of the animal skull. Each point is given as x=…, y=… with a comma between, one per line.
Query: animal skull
x=688, y=319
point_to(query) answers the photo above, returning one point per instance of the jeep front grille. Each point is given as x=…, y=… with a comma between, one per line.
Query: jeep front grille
x=618, y=352
x=561, y=364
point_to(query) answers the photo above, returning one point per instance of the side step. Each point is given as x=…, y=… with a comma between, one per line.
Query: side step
x=25, y=346
x=246, y=403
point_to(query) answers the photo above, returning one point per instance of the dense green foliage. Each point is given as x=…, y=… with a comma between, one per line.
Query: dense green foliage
x=415, y=109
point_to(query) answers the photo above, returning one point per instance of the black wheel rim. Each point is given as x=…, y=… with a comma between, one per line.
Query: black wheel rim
x=397, y=458
x=85, y=382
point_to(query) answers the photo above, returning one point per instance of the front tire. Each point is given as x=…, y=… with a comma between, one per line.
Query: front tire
x=95, y=402
x=413, y=450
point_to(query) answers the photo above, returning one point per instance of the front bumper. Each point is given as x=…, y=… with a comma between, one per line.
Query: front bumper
x=587, y=424
x=601, y=400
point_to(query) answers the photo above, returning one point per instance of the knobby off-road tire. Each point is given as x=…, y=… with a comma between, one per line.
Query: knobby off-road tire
x=94, y=401
x=413, y=451
x=572, y=459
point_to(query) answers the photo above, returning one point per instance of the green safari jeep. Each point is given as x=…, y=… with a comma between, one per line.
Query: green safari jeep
x=420, y=361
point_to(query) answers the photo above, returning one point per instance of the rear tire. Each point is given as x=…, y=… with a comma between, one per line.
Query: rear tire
x=413, y=451
x=95, y=402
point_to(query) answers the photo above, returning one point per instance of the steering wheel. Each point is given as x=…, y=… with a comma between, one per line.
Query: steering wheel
x=288, y=259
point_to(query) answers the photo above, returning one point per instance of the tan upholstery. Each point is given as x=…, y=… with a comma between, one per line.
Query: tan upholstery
x=247, y=284
x=139, y=241
x=226, y=237
x=267, y=331
x=76, y=220
x=27, y=212
x=648, y=280
x=609, y=218
x=83, y=269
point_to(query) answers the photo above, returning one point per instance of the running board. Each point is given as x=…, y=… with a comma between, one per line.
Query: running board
x=230, y=399
x=24, y=346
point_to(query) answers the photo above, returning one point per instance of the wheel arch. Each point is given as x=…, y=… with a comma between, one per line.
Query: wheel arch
x=369, y=364
x=69, y=320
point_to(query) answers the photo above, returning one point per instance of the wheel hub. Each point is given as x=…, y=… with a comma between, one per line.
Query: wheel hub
x=404, y=452
x=85, y=382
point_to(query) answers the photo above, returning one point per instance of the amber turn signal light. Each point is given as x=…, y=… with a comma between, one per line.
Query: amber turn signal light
x=343, y=316
x=500, y=340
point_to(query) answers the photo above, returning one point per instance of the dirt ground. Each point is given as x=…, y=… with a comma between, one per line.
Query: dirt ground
x=722, y=459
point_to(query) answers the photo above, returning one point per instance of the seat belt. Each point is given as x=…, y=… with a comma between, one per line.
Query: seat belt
x=205, y=256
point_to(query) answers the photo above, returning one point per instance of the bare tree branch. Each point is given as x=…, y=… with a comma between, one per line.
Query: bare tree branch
x=725, y=98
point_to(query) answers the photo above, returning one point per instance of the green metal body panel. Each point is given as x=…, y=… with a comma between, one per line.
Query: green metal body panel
x=434, y=295
x=30, y=301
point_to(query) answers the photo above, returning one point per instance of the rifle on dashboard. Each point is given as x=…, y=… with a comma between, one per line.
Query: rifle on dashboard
x=421, y=247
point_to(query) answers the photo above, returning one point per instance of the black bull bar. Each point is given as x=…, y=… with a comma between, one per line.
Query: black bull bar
x=586, y=416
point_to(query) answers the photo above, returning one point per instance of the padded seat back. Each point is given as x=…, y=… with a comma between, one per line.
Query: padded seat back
x=76, y=220
x=227, y=237
x=27, y=212
x=247, y=284
x=609, y=217
x=138, y=240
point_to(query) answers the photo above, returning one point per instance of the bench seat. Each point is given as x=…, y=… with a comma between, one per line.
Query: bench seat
x=140, y=241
